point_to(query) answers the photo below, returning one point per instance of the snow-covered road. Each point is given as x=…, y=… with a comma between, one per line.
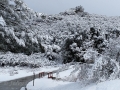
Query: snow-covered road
x=21, y=79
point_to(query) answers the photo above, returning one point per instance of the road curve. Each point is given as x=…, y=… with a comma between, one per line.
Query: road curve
x=17, y=84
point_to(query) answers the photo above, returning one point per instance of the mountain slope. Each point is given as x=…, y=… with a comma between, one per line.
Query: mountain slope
x=70, y=36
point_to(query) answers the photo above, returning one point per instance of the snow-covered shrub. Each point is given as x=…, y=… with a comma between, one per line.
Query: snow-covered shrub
x=79, y=10
x=90, y=56
x=21, y=60
x=73, y=48
x=4, y=1
x=64, y=67
x=114, y=49
x=12, y=72
x=104, y=68
x=2, y=21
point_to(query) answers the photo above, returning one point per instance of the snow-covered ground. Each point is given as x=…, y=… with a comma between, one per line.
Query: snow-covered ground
x=66, y=83
x=107, y=85
x=11, y=73
x=46, y=84
x=49, y=84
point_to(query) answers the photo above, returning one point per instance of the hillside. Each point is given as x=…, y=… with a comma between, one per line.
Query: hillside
x=70, y=36
x=16, y=34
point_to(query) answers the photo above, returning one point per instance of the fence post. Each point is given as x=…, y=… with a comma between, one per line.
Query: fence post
x=33, y=78
x=51, y=74
x=43, y=74
x=39, y=75
x=48, y=75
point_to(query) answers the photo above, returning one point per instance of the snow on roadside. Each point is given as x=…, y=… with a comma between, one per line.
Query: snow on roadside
x=5, y=73
x=45, y=84
x=70, y=74
x=48, y=84
x=107, y=85
x=65, y=73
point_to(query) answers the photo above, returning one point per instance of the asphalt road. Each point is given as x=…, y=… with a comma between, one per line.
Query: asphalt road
x=17, y=84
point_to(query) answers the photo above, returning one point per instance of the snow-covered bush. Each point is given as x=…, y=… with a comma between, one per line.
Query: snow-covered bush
x=114, y=49
x=21, y=60
x=74, y=48
x=79, y=10
x=104, y=68
x=2, y=21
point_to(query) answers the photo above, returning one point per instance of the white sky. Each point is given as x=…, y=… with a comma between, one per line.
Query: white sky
x=102, y=7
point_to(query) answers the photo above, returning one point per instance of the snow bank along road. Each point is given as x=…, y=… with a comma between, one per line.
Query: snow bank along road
x=17, y=84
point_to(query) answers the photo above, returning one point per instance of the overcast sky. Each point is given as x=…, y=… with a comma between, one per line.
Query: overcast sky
x=102, y=7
